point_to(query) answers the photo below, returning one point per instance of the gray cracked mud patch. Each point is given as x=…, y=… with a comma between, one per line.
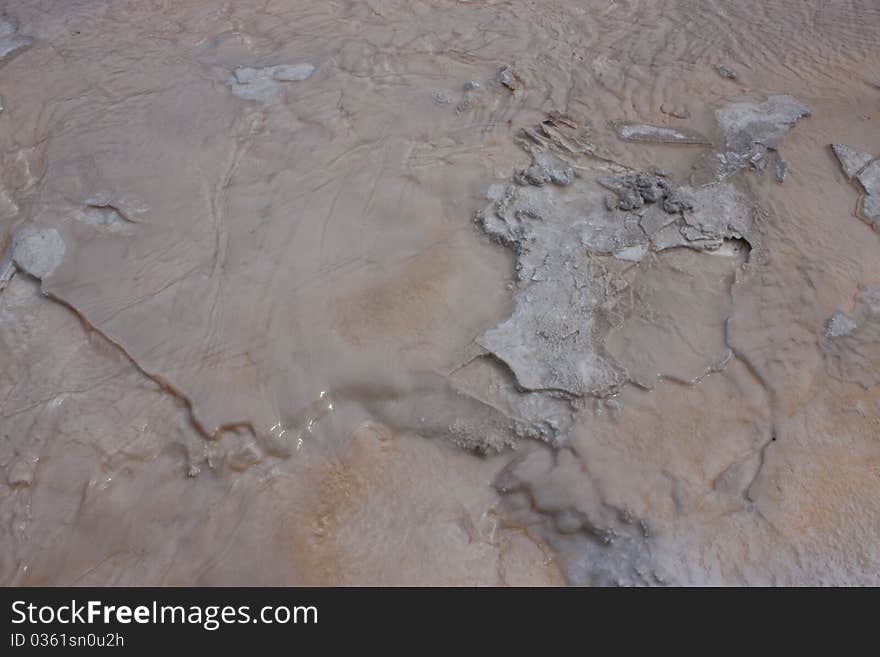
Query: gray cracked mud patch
x=851, y=344
x=545, y=170
x=753, y=129
x=621, y=277
x=851, y=160
x=869, y=178
x=267, y=83
x=578, y=251
x=598, y=302
x=869, y=204
x=863, y=169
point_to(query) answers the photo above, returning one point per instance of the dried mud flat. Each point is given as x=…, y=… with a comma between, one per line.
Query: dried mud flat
x=440, y=292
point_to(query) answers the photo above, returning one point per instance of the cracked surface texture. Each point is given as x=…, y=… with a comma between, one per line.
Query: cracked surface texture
x=428, y=292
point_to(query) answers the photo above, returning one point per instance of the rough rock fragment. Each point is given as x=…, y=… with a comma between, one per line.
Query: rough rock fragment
x=781, y=167
x=869, y=178
x=509, y=78
x=869, y=209
x=852, y=344
x=725, y=72
x=864, y=169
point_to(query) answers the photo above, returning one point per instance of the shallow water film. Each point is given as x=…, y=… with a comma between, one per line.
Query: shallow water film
x=487, y=292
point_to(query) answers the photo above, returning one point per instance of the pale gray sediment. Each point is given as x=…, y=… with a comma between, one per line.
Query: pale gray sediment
x=11, y=42
x=266, y=83
x=851, y=344
x=659, y=134
x=37, y=251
